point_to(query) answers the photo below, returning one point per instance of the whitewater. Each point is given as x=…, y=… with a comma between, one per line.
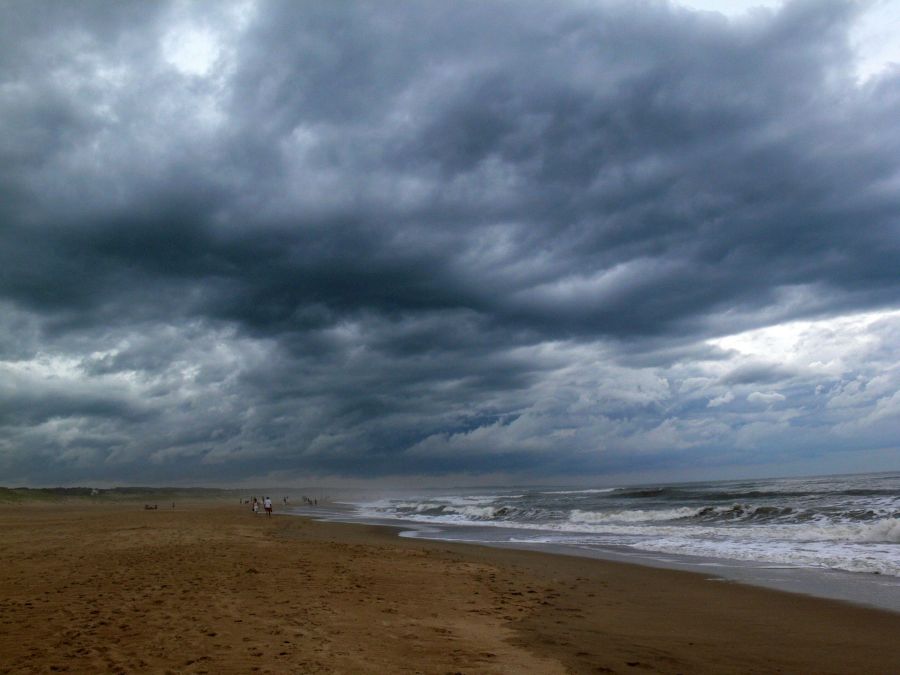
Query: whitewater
x=777, y=532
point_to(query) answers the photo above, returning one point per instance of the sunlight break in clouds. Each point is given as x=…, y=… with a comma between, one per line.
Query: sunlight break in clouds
x=873, y=38
x=830, y=345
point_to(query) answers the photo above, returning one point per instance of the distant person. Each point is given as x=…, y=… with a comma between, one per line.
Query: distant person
x=268, y=505
x=255, y=506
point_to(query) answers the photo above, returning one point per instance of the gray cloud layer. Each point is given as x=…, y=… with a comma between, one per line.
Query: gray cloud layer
x=414, y=238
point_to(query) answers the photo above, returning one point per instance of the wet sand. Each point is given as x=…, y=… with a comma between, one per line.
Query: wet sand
x=213, y=588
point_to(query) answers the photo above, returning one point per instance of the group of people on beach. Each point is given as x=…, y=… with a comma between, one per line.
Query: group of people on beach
x=266, y=504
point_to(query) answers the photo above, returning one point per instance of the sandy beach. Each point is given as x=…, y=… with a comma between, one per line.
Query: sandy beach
x=209, y=587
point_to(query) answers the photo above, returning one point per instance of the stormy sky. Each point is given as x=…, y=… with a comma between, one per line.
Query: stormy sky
x=459, y=242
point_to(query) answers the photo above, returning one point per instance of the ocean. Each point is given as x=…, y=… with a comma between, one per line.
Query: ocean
x=833, y=536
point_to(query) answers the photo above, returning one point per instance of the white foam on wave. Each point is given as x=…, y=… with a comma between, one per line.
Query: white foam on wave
x=881, y=531
x=851, y=557
x=473, y=499
x=795, y=548
x=631, y=516
x=591, y=491
x=425, y=503
x=651, y=523
x=859, y=533
x=433, y=511
x=856, y=547
x=477, y=512
x=887, y=530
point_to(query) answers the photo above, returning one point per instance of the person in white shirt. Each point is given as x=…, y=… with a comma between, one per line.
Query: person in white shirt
x=268, y=506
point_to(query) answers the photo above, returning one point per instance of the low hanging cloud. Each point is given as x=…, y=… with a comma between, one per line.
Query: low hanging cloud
x=765, y=397
x=376, y=239
x=722, y=399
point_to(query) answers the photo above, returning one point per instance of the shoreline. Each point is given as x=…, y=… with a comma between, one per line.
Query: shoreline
x=209, y=587
x=856, y=588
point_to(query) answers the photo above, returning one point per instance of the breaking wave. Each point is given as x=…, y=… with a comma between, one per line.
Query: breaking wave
x=842, y=523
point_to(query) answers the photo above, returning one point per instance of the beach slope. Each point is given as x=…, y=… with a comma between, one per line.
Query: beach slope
x=209, y=587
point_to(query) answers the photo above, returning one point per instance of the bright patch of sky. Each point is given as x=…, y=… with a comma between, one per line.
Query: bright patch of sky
x=819, y=344
x=874, y=37
x=192, y=50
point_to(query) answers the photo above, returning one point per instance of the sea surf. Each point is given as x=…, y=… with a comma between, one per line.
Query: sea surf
x=835, y=536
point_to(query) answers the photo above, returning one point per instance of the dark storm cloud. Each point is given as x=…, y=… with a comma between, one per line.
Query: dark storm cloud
x=358, y=234
x=690, y=176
